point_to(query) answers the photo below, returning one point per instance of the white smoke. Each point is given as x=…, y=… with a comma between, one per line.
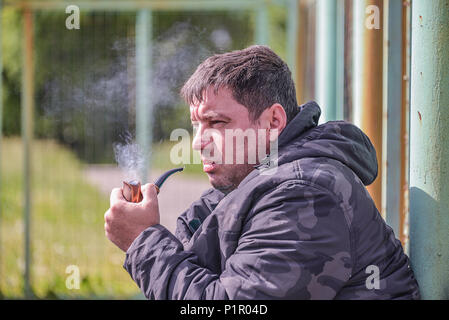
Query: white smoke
x=130, y=157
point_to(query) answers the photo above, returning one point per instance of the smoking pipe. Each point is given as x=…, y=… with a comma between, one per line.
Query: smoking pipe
x=131, y=189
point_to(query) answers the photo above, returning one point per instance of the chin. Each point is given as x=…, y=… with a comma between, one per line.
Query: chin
x=214, y=181
x=220, y=185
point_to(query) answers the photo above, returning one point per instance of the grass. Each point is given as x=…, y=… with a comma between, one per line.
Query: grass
x=66, y=229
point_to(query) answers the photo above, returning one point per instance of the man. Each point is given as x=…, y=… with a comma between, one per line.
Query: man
x=308, y=230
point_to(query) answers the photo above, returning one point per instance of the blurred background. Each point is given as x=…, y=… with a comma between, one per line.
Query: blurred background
x=77, y=98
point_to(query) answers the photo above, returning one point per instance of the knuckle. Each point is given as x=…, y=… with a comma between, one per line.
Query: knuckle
x=147, y=204
x=115, y=208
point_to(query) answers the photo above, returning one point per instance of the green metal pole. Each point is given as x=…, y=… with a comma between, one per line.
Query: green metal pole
x=27, y=102
x=429, y=147
x=340, y=60
x=144, y=107
x=261, y=34
x=292, y=34
x=301, y=40
x=326, y=50
x=392, y=103
x=358, y=20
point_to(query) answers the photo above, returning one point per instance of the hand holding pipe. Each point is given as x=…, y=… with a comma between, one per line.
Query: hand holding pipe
x=131, y=190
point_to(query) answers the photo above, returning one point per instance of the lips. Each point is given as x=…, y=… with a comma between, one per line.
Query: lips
x=209, y=166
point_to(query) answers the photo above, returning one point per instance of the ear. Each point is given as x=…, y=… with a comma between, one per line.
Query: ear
x=274, y=118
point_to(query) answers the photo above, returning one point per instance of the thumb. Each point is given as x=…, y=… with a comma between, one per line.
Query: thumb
x=116, y=196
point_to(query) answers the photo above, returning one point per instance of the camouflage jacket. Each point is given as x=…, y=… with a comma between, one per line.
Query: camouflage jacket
x=309, y=231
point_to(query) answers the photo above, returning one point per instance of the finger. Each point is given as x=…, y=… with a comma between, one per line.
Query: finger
x=116, y=196
x=149, y=191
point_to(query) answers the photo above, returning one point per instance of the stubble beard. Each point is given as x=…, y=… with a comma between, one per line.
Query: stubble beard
x=229, y=177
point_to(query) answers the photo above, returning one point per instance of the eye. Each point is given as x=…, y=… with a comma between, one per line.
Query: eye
x=215, y=122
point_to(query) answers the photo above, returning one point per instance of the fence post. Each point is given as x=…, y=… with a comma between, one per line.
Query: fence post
x=326, y=50
x=1, y=137
x=429, y=148
x=392, y=104
x=27, y=109
x=340, y=60
x=292, y=35
x=144, y=104
x=261, y=34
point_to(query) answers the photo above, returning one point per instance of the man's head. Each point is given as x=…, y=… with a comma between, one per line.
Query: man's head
x=250, y=89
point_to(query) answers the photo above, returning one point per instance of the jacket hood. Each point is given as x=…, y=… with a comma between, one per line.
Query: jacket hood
x=339, y=140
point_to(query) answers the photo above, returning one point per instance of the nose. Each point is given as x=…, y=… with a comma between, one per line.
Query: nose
x=198, y=143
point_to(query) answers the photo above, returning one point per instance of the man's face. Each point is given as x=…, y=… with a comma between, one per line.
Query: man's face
x=213, y=120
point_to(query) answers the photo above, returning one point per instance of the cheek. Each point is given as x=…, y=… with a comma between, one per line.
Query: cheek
x=218, y=140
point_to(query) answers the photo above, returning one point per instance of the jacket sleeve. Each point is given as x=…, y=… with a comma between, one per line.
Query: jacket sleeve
x=295, y=244
x=189, y=221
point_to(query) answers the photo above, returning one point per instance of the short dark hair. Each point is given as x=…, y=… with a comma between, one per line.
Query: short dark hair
x=256, y=76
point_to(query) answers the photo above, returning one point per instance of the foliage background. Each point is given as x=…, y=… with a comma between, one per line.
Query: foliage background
x=85, y=103
x=85, y=79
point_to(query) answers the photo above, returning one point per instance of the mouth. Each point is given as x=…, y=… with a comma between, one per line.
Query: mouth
x=209, y=166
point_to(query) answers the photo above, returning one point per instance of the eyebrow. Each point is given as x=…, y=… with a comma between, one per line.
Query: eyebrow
x=211, y=115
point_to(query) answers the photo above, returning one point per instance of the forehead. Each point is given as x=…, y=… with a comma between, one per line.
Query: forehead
x=221, y=103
